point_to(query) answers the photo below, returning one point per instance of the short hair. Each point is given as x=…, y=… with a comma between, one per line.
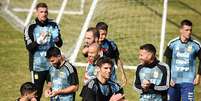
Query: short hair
x=149, y=48
x=186, y=22
x=96, y=45
x=43, y=5
x=94, y=31
x=27, y=87
x=103, y=60
x=53, y=51
x=102, y=26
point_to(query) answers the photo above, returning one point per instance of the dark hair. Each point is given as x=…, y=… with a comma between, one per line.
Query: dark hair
x=94, y=31
x=27, y=87
x=101, y=26
x=149, y=48
x=43, y=5
x=186, y=22
x=103, y=60
x=53, y=51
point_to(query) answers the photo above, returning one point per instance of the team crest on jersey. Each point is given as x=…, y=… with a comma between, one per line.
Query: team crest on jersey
x=62, y=74
x=155, y=75
x=189, y=49
x=177, y=48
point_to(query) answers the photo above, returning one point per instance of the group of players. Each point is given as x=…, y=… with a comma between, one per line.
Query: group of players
x=155, y=81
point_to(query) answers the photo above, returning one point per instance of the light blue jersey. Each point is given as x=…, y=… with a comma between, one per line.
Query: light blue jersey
x=183, y=66
x=157, y=74
x=40, y=63
x=154, y=75
x=91, y=72
x=62, y=78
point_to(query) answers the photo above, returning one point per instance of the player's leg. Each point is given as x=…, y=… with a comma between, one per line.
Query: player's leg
x=187, y=92
x=39, y=79
x=174, y=93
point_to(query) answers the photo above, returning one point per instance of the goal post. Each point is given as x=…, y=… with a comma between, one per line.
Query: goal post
x=131, y=24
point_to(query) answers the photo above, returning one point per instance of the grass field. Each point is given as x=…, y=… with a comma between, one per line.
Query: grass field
x=123, y=28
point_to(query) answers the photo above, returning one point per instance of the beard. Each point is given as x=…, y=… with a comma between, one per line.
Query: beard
x=57, y=65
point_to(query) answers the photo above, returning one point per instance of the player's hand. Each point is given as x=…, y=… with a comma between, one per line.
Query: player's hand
x=42, y=39
x=117, y=97
x=197, y=80
x=33, y=99
x=145, y=85
x=85, y=50
x=172, y=83
x=48, y=93
x=56, y=92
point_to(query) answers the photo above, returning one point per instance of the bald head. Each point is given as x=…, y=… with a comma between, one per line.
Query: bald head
x=95, y=46
x=93, y=51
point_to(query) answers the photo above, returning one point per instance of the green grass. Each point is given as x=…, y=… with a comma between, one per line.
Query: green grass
x=131, y=23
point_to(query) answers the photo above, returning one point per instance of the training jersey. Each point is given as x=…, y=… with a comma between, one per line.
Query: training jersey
x=91, y=72
x=94, y=90
x=158, y=75
x=183, y=59
x=110, y=49
x=62, y=78
x=37, y=52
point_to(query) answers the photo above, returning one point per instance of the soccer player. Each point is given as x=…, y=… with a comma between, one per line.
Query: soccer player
x=28, y=92
x=152, y=76
x=102, y=88
x=110, y=49
x=181, y=54
x=39, y=37
x=63, y=77
x=91, y=36
x=94, y=53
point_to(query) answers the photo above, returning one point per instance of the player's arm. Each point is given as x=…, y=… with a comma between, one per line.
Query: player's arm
x=86, y=76
x=164, y=85
x=58, y=41
x=73, y=80
x=123, y=74
x=198, y=76
x=30, y=43
x=119, y=64
x=67, y=90
x=85, y=51
x=137, y=83
x=48, y=91
x=168, y=55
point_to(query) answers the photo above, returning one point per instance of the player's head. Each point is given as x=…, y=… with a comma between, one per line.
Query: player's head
x=54, y=56
x=42, y=11
x=28, y=91
x=147, y=53
x=102, y=27
x=104, y=67
x=186, y=29
x=94, y=52
x=91, y=36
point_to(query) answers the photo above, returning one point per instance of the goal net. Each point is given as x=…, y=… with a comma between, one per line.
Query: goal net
x=131, y=24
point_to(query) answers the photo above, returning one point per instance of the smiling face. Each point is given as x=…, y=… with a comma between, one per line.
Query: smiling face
x=103, y=34
x=105, y=70
x=42, y=13
x=93, y=53
x=89, y=38
x=145, y=57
